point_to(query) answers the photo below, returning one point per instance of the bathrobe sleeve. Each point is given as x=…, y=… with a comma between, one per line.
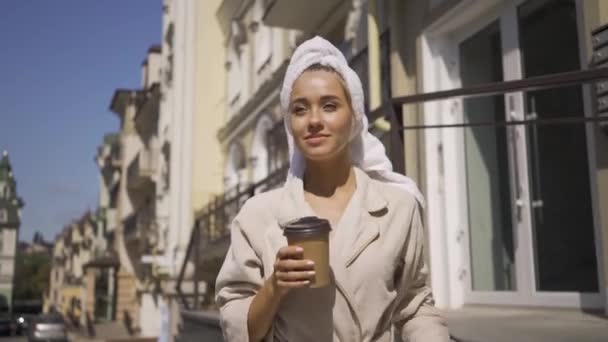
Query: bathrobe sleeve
x=238, y=281
x=415, y=316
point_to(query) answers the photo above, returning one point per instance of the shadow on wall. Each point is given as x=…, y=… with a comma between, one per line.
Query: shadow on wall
x=90, y=326
x=128, y=321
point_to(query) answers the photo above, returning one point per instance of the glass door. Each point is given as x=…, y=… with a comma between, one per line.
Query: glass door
x=530, y=226
x=488, y=180
x=562, y=225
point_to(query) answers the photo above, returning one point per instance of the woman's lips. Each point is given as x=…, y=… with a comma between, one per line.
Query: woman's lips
x=315, y=140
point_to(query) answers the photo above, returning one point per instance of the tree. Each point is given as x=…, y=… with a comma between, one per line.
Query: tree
x=32, y=272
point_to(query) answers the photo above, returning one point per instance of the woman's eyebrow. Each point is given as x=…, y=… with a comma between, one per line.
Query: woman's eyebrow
x=299, y=100
x=329, y=97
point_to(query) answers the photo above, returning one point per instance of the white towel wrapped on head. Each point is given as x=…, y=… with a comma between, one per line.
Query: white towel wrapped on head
x=367, y=151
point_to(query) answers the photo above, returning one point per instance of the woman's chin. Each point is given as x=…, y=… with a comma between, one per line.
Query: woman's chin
x=320, y=155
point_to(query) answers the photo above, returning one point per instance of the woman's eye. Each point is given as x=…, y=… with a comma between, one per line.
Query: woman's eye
x=299, y=110
x=330, y=107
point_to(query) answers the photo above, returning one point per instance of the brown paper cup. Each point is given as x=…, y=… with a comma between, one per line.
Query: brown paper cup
x=312, y=234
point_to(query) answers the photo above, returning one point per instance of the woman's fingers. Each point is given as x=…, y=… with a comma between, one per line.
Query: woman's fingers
x=290, y=252
x=293, y=284
x=294, y=265
x=291, y=271
x=295, y=276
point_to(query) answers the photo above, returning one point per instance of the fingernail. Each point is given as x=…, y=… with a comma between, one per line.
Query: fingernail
x=310, y=263
x=311, y=272
x=300, y=249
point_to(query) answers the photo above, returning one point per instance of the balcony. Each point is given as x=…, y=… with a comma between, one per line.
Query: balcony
x=309, y=16
x=146, y=118
x=140, y=173
x=140, y=236
x=109, y=158
x=210, y=237
x=111, y=218
x=138, y=226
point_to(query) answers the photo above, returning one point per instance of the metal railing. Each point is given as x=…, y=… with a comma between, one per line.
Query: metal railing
x=393, y=110
x=212, y=224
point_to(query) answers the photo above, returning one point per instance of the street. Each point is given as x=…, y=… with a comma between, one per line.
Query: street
x=13, y=339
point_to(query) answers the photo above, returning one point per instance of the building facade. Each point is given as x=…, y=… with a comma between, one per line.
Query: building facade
x=503, y=223
x=251, y=134
x=503, y=226
x=137, y=235
x=72, y=250
x=10, y=221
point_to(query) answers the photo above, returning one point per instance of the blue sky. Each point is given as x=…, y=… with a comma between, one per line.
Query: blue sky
x=59, y=65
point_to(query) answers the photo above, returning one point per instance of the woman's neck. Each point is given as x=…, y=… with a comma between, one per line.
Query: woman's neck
x=324, y=178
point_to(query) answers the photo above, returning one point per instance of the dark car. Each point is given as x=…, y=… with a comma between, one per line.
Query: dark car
x=7, y=326
x=47, y=327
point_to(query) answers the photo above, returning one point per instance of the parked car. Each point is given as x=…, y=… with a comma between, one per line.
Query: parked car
x=7, y=326
x=47, y=327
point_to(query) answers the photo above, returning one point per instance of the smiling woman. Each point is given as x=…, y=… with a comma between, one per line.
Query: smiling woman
x=267, y=288
x=321, y=113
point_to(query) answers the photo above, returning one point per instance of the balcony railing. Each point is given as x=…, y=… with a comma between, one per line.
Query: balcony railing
x=138, y=226
x=142, y=169
x=211, y=231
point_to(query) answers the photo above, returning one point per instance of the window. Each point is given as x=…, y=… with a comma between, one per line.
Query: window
x=3, y=216
x=263, y=38
x=233, y=67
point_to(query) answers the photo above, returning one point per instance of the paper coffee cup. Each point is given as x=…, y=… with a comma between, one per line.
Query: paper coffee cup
x=312, y=235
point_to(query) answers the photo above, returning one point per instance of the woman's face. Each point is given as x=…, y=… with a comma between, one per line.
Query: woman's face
x=321, y=115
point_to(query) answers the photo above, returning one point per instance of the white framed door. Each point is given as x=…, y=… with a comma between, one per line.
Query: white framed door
x=528, y=242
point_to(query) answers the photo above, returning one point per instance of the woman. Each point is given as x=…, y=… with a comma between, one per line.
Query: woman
x=339, y=172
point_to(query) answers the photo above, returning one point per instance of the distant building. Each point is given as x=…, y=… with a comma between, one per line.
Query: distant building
x=38, y=245
x=10, y=221
x=71, y=286
x=134, y=196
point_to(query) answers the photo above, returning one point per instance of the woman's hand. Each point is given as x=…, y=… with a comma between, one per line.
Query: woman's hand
x=291, y=271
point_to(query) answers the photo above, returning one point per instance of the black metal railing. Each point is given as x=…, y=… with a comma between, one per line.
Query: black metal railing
x=276, y=141
x=392, y=110
x=212, y=224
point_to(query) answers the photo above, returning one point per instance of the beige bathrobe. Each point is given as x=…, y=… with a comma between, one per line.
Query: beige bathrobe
x=377, y=260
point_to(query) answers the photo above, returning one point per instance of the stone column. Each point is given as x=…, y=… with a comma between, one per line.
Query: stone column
x=89, y=298
x=111, y=294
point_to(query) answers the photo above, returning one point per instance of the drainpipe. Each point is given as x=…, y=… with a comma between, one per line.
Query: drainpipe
x=373, y=49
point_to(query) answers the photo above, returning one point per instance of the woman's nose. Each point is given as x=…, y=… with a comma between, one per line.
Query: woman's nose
x=315, y=124
x=315, y=117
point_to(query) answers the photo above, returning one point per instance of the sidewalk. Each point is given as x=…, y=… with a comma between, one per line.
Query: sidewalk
x=503, y=324
x=109, y=331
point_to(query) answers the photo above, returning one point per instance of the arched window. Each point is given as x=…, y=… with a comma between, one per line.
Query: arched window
x=259, y=149
x=3, y=216
x=236, y=164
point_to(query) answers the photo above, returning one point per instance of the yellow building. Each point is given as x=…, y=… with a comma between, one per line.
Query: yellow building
x=209, y=106
x=487, y=191
x=73, y=249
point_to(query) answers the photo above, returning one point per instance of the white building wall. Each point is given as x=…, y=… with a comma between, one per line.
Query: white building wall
x=181, y=98
x=131, y=145
x=149, y=316
x=154, y=68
